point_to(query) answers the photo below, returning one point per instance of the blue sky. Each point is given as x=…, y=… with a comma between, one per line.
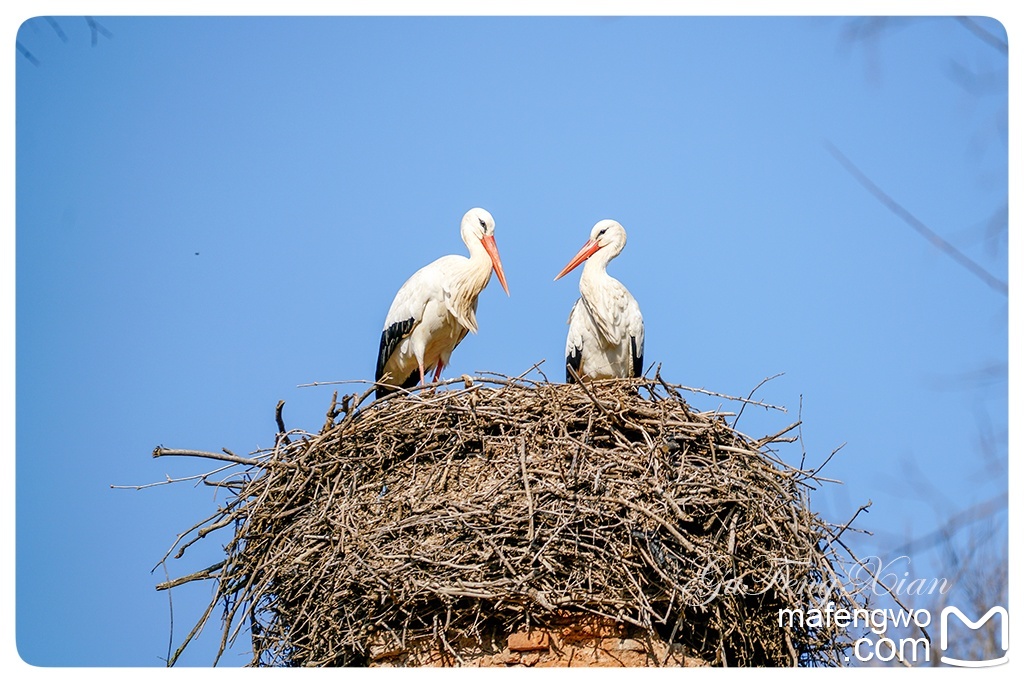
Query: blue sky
x=213, y=211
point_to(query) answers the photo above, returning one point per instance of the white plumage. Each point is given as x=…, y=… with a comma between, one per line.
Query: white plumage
x=606, y=329
x=436, y=307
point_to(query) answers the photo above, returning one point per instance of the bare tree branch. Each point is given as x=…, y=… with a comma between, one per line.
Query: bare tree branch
x=908, y=218
x=958, y=521
x=57, y=29
x=986, y=37
x=96, y=29
x=24, y=52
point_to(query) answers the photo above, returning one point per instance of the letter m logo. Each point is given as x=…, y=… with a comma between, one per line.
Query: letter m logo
x=974, y=626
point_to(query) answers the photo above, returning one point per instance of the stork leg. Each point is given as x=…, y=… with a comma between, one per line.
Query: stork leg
x=437, y=372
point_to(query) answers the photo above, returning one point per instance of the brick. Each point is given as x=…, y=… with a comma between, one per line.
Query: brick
x=591, y=631
x=529, y=641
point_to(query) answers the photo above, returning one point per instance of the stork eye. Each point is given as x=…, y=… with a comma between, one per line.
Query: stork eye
x=482, y=224
x=603, y=231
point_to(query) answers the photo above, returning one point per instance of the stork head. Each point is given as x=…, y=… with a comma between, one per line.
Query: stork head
x=478, y=225
x=606, y=235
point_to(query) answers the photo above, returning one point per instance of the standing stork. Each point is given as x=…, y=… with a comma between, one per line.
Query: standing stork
x=606, y=330
x=436, y=307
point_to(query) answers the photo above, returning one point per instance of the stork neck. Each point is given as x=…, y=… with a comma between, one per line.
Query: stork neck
x=477, y=271
x=478, y=256
x=596, y=266
x=468, y=279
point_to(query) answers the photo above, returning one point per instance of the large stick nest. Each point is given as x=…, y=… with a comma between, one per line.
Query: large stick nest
x=461, y=514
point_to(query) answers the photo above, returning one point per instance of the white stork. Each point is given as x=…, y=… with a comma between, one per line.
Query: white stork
x=436, y=307
x=606, y=330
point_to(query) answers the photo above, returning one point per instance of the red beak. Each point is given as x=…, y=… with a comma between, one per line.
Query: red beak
x=492, y=250
x=586, y=252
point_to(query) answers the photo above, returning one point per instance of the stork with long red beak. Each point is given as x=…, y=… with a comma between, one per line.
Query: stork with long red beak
x=606, y=330
x=436, y=307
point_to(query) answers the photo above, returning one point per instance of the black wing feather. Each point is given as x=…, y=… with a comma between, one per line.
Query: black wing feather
x=572, y=364
x=638, y=360
x=390, y=338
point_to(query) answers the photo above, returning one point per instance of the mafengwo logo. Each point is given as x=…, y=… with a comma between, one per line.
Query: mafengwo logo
x=1004, y=639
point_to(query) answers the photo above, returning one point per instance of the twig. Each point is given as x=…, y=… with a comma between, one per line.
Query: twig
x=200, y=575
x=835, y=450
x=526, y=487
x=751, y=395
x=279, y=418
x=161, y=452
